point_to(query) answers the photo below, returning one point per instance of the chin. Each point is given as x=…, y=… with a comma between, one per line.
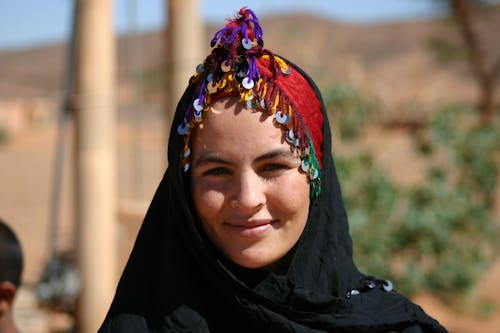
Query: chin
x=253, y=259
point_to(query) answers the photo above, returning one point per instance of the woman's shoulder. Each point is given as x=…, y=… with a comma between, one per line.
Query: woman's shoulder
x=183, y=319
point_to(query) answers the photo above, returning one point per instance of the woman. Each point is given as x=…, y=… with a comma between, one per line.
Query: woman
x=247, y=231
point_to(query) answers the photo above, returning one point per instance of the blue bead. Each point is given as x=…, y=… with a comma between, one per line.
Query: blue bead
x=243, y=72
x=387, y=285
x=247, y=43
x=290, y=137
x=225, y=66
x=197, y=116
x=196, y=104
x=263, y=104
x=305, y=165
x=370, y=284
x=282, y=118
x=182, y=128
x=212, y=87
x=247, y=83
x=200, y=68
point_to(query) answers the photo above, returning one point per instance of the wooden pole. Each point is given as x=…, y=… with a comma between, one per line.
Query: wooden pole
x=184, y=48
x=95, y=161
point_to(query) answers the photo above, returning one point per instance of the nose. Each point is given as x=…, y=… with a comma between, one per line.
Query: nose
x=248, y=193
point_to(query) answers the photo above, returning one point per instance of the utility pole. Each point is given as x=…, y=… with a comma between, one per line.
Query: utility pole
x=184, y=48
x=95, y=161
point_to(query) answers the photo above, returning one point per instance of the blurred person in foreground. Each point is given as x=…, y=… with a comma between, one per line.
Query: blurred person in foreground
x=247, y=231
x=11, y=267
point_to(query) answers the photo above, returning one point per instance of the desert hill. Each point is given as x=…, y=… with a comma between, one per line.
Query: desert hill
x=396, y=63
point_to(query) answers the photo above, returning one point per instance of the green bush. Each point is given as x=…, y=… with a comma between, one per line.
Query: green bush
x=348, y=110
x=446, y=51
x=438, y=236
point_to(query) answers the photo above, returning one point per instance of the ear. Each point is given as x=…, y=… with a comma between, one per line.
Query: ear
x=7, y=292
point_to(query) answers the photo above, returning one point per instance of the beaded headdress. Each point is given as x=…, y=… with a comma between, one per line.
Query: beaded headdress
x=239, y=65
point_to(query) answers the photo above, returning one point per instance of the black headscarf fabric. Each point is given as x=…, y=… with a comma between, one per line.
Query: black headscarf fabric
x=175, y=280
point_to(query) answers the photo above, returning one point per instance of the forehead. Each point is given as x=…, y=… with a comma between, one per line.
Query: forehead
x=229, y=123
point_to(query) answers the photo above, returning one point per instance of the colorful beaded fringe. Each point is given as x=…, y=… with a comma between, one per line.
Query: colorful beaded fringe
x=231, y=69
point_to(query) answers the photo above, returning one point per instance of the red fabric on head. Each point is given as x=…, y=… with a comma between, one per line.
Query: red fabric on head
x=303, y=97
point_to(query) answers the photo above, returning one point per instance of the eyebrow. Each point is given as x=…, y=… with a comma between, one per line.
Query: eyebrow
x=276, y=153
x=211, y=158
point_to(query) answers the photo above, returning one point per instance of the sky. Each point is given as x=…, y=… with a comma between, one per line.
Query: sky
x=29, y=23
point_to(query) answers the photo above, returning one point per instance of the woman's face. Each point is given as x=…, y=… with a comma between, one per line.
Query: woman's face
x=249, y=194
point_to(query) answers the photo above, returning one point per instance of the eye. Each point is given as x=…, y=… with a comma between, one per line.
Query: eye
x=218, y=171
x=274, y=167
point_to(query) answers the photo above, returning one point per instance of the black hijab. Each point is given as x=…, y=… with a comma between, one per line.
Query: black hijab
x=175, y=280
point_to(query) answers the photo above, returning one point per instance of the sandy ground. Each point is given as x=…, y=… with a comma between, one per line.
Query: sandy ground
x=26, y=165
x=27, y=183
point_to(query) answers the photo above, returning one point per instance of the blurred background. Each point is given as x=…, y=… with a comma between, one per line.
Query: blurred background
x=413, y=93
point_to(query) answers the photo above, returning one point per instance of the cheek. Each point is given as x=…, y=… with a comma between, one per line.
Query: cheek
x=291, y=197
x=208, y=203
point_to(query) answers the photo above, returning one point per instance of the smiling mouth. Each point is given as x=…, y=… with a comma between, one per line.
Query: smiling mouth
x=250, y=229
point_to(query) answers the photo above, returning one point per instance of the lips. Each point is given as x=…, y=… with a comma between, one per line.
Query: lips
x=249, y=229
